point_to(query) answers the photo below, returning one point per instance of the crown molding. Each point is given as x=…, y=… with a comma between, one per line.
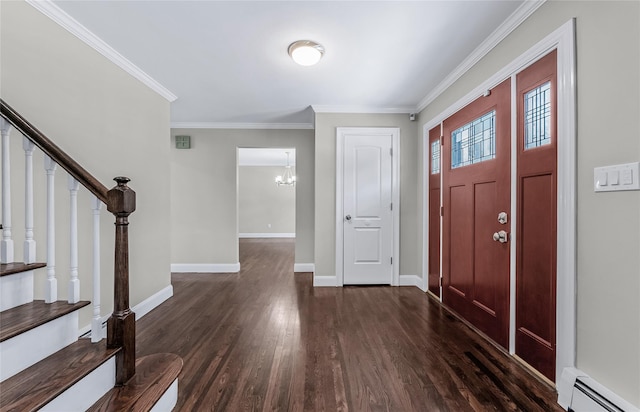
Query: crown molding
x=55, y=13
x=362, y=109
x=507, y=27
x=215, y=125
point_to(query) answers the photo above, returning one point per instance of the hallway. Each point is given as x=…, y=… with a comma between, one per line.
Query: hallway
x=265, y=339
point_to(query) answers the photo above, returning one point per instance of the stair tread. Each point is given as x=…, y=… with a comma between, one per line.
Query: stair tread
x=17, y=267
x=22, y=318
x=37, y=385
x=154, y=374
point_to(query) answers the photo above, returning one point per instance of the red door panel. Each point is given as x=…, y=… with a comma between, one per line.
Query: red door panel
x=537, y=227
x=434, y=214
x=475, y=268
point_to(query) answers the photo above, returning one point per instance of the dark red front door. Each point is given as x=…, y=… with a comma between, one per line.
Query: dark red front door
x=476, y=188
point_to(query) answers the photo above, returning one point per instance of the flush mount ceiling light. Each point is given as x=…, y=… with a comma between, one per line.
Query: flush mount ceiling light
x=306, y=52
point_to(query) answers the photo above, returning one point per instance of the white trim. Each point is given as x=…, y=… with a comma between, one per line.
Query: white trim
x=84, y=393
x=568, y=380
x=513, y=216
x=152, y=302
x=395, y=196
x=266, y=235
x=563, y=40
x=363, y=109
x=55, y=13
x=140, y=309
x=325, y=281
x=412, y=280
x=167, y=401
x=205, y=267
x=217, y=125
x=509, y=25
x=304, y=267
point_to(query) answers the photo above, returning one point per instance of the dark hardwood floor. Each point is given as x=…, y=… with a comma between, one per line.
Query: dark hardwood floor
x=265, y=339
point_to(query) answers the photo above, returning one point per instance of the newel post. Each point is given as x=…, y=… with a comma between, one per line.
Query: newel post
x=121, y=326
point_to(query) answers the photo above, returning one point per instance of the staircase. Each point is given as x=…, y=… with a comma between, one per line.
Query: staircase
x=44, y=365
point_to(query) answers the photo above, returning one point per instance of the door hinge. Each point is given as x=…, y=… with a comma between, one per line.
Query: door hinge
x=440, y=282
x=441, y=210
x=391, y=151
x=391, y=259
x=392, y=206
x=441, y=140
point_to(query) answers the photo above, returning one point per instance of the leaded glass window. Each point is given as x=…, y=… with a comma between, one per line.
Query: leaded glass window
x=435, y=157
x=537, y=116
x=474, y=142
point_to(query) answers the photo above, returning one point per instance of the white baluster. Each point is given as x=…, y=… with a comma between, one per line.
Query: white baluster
x=51, y=290
x=29, y=242
x=96, y=322
x=74, y=282
x=6, y=244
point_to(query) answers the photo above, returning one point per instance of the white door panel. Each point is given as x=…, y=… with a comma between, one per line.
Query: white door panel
x=368, y=221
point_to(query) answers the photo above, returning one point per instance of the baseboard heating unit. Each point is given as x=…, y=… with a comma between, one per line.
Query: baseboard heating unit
x=577, y=392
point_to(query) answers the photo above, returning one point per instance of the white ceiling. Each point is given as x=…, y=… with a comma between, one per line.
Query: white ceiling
x=227, y=61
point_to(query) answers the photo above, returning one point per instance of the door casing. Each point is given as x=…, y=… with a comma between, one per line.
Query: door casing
x=341, y=133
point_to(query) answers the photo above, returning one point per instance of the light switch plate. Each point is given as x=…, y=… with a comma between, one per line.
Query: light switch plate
x=616, y=177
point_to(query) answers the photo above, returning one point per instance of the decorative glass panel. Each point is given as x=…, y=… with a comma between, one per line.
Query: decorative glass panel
x=474, y=142
x=435, y=157
x=537, y=116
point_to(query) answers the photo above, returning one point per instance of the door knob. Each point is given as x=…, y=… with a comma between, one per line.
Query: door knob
x=501, y=236
x=348, y=217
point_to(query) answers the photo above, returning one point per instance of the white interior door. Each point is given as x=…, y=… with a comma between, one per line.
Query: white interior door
x=367, y=208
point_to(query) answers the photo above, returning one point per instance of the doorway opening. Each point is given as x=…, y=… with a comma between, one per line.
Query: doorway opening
x=266, y=209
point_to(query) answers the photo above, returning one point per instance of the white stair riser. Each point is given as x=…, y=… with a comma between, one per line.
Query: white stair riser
x=16, y=290
x=28, y=348
x=168, y=400
x=87, y=391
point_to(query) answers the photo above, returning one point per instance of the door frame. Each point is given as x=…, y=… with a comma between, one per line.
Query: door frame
x=341, y=133
x=562, y=40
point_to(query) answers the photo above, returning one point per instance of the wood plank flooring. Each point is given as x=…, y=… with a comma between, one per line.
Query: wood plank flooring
x=266, y=340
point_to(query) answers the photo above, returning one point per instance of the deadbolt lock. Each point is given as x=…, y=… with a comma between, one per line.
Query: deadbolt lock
x=502, y=218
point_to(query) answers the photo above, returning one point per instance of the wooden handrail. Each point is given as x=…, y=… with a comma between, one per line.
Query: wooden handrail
x=54, y=152
x=121, y=202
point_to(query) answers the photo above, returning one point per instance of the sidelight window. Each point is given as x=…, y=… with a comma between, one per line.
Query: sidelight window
x=474, y=142
x=537, y=116
x=435, y=157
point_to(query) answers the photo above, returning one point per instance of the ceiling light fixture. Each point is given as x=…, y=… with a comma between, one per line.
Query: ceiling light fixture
x=306, y=52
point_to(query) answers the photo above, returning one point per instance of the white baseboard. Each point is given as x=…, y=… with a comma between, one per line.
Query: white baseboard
x=304, y=267
x=140, y=309
x=265, y=235
x=152, y=302
x=205, y=267
x=411, y=280
x=325, y=281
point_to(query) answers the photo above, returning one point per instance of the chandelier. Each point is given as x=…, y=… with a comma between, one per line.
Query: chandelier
x=288, y=178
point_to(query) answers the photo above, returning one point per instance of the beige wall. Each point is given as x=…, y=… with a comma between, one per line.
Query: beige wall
x=608, y=262
x=325, y=217
x=204, y=219
x=109, y=122
x=264, y=207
